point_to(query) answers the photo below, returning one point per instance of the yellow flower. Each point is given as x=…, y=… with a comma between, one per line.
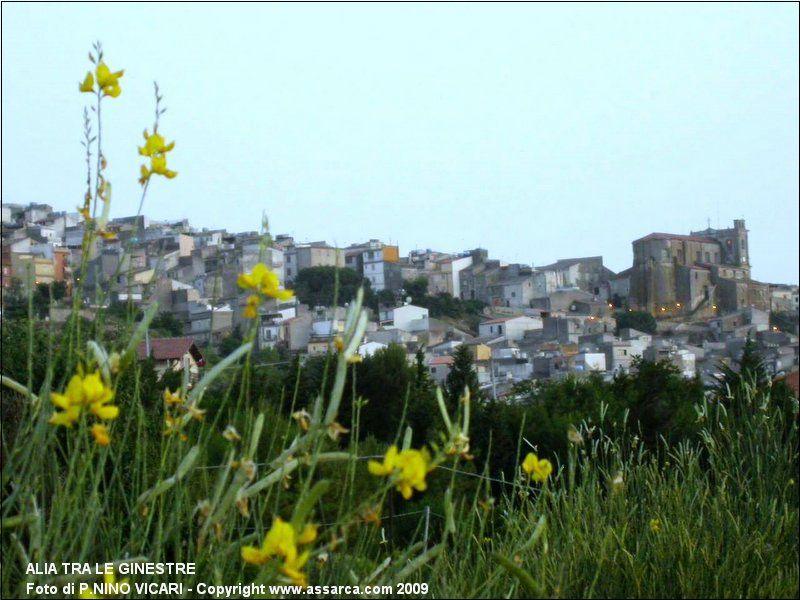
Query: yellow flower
x=292, y=568
x=655, y=525
x=154, y=145
x=308, y=535
x=101, y=434
x=108, y=80
x=387, y=466
x=158, y=166
x=409, y=468
x=539, y=469
x=66, y=417
x=172, y=398
x=144, y=174
x=251, y=310
x=88, y=83
x=98, y=395
x=264, y=281
x=81, y=392
x=282, y=541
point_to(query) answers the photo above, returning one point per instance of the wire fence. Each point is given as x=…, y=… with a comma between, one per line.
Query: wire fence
x=379, y=456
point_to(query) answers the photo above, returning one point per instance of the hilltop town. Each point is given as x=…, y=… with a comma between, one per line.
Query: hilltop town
x=687, y=298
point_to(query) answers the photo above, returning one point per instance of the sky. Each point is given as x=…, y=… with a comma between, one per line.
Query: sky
x=537, y=131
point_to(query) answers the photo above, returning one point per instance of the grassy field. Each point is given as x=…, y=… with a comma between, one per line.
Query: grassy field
x=715, y=518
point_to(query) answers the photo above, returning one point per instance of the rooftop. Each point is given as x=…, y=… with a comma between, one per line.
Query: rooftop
x=677, y=238
x=170, y=349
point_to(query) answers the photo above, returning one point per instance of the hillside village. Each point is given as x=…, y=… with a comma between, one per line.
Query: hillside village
x=543, y=322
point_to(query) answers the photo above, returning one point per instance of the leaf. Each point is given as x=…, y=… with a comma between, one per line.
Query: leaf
x=140, y=332
x=524, y=577
x=197, y=392
x=305, y=505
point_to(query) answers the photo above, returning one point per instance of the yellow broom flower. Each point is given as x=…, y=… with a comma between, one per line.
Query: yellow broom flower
x=158, y=166
x=409, y=467
x=538, y=469
x=155, y=144
x=88, y=83
x=251, y=309
x=108, y=80
x=264, y=281
x=282, y=541
x=102, y=436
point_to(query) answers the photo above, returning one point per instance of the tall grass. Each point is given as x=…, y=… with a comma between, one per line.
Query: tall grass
x=718, y=517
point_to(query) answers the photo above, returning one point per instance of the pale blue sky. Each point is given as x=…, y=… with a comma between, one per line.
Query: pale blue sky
x=537, y=131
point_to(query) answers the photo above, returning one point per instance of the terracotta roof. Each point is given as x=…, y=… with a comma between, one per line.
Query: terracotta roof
x=442, y=360
x=170, y=349
x=676, y=237
x=793, y=381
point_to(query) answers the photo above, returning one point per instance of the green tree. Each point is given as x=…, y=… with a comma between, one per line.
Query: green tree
x=416, y=288
x=748, y=376
x=659, y=400
x=635, y=319
x=231, y=342
x=316, y=286
x=167, y=324
x=462, y=375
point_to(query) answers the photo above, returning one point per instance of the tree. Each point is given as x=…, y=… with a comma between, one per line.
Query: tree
x=750, y=373
x=231, y=342
x=416, y=288
x=635, y=319
x=316, y=286
x=386, y=297
x=167, y=324
x=461, y=376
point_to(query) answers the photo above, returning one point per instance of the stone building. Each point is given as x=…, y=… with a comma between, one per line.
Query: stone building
x=704, y=272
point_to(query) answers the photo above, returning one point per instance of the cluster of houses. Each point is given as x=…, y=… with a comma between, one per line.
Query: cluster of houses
x=540, y=322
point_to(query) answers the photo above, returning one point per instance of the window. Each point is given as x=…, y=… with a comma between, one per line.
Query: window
x=697, y=257
x=708, y=257
x=499, y=329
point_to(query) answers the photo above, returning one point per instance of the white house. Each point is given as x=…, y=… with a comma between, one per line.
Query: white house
x=370, y=348
x=513, y=328
x=620, y=354
x=511, y=364
x=410, y=318
x=440, y=367
x=590, y=361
